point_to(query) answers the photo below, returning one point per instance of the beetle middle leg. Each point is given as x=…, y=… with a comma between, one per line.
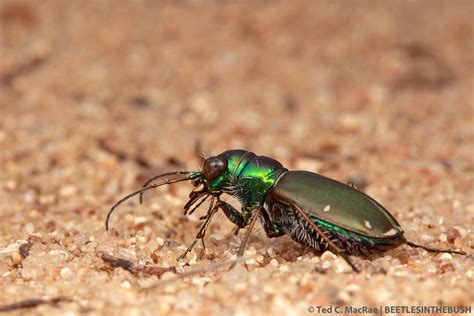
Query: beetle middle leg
x=251, y=224
x=232, y=214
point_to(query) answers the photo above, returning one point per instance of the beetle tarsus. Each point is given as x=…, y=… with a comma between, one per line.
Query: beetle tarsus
x=183, y=255
x=412, y=244
x=349, y=262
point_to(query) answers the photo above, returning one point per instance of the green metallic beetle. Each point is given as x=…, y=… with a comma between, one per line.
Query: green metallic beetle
x=316, y=211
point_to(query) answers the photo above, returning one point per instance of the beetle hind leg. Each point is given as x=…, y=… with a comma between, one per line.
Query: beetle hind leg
x=435, y=250
x=329, y=244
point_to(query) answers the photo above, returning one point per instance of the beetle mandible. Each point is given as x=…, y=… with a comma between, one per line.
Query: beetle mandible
x=314, y=210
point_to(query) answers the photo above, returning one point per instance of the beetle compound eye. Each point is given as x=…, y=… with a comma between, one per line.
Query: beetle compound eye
x=214, y=166
x=196, y=182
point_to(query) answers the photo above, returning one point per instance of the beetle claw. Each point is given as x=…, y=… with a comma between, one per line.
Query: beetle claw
x=350, y=263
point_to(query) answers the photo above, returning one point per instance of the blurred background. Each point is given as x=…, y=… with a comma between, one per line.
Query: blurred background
x=98, y=95
x=339, y=87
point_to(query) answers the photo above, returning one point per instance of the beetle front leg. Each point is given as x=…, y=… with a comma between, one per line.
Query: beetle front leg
x=202, y=231
x=230, y=212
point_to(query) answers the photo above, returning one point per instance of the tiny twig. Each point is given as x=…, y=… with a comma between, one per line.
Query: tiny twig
x=22, y=69
x=122, y=155
x=33, y=303
x=135, y=268
x=198, y=271
x=107, y=147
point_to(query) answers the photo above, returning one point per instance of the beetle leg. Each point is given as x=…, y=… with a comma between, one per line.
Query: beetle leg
x=429, y=249
x=352, y=185
x=252, y=222
x=272, y=229
x=203, y=245
x=326, y=239
x=202, y=231
x=232, y=214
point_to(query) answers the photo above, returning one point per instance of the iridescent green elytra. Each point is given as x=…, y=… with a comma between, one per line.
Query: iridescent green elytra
x=319, y=212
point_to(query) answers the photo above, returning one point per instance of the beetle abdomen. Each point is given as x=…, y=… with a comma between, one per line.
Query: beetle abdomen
x=294, y=225
x=357, y=244
x=336, y=203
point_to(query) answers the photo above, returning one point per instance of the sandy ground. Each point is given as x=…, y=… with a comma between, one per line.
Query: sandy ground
x=98, y=95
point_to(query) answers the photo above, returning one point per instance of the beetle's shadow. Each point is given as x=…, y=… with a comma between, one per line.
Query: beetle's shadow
x=290, y=251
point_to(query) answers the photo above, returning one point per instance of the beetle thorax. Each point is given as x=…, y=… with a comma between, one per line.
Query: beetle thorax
x=247, y=177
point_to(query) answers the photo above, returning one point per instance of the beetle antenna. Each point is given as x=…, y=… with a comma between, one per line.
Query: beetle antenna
x=412, y=244
x=159, y=176
x=139, y=192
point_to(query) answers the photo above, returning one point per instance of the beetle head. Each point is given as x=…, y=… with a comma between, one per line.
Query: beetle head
x=213, y=167
x=214, y=173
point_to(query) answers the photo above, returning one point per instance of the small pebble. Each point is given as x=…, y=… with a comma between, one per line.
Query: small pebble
x=140, y=220
x=160, y=241
x=312, y=165
x=271, y=252
x=452, y=234
x=167, y=275
x=426, y=238
x=67, y=274
x=445, y=257
x=284, y=268
x=344, y=296
x=250, y=261
x=29, y=228
x=68, y=191
x=327, y=255
x=46, y=199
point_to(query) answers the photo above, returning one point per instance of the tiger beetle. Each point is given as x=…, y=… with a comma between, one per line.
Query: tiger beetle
x=316, y=211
